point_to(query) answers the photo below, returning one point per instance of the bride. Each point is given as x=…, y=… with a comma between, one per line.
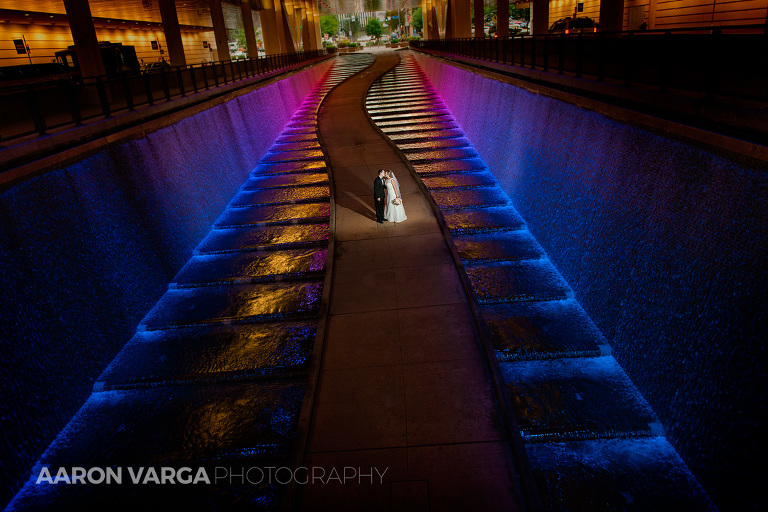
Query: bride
x=394, y=211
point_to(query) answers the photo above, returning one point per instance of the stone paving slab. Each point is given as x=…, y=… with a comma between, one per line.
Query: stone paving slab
x=498, y=246
x=263, y=237
x=210, y=352
x=281, y=214
x=577, y=398
x=530, y=280
x=285, y=195
x=250, y=267
x=542, y=330
x=234, y=303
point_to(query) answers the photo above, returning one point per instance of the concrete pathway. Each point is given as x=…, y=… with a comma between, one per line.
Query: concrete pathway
x=403, y=387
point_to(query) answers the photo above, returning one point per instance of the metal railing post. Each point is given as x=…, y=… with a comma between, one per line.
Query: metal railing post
x=164, y=83
x=34, y=109
x=148, y=90
x=127, y=93
x=102, y=91
x=180, y=79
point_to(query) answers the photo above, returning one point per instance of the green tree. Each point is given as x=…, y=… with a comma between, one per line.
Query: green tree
x=374, y=27
x=242, y=42
x=417, y=19
x=329, y=25
x=393, y=23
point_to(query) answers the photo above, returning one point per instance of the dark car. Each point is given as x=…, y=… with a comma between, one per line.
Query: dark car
x=573, y=25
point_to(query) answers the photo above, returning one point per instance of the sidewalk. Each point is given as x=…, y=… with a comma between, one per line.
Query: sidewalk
x=403, y=388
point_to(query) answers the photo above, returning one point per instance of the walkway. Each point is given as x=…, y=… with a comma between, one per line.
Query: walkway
x=403, y=388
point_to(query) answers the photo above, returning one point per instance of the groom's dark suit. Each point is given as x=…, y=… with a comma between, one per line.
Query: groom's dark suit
x=379, y=197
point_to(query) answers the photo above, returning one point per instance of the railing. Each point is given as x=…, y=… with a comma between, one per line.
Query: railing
x=41, y=107
x=727, y=61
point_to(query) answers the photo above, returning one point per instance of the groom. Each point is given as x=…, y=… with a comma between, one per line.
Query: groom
x=379, y=196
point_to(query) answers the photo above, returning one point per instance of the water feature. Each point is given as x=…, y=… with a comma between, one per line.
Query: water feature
x=215, y=375
x=592, y=440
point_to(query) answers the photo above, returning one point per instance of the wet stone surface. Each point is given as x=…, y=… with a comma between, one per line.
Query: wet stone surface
x=579, y=398
x=460, y=180
x=281, y=196
x=247, y=267
x=528, y=280
x=287, y=214
x=194, y=422
x=614, y=474
x=542, y=330
x=449, y=199
x=498, y=246
x=263, y=237
x=289, y=167
x=451, y=166
x=211, y=352
x=286, y=180
x=444, y=143
x=483, y=220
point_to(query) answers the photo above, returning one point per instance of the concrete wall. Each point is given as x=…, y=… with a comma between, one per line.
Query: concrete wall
x=664, y=245
x=87, y=250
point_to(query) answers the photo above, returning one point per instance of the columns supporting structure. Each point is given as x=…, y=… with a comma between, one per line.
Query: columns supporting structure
x=458, y=21
x=540, y=17
x=251, y=46
x=84, y=37
x=430, y=10
x=289, y=25
x=172, y=33
x=612, y=15
x=479, y=21
x=219, y=30
x=502, y=18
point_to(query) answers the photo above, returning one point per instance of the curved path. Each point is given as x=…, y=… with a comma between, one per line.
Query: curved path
x=403, y=387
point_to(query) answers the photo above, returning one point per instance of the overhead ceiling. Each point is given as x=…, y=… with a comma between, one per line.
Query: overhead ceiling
x=192, y=14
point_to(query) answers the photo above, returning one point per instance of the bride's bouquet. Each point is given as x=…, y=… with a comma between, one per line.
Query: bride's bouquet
x=397, y=201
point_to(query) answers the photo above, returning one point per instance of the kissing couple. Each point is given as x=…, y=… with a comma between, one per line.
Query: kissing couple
x=387, y=199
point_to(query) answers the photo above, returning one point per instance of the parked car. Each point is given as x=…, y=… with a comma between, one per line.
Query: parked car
x=573, y=25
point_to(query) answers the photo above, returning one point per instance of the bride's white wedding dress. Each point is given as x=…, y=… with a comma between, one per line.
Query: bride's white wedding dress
x=393, y=212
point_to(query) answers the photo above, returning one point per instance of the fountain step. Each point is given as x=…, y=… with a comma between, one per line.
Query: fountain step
x=418, y=128
x=455, y=198
x=281, y=214
x=416, y=116
x=285, y=195
x=439, y=143
x=253, y=238
x=450, y=166
x=211, y=353
x=543, y=330
x=289, y=167
x=224, y=304
x=167, y=423
x=396, y=105
x=483, y=220
x=615, y=474
x=292, y=156
x=286, y=180
x=419, y=136
x=407, y=112
x=572, y=399
x=518, y=281
x=421, y=157
x=294, y=146
x=252, y=267
x=300, y=137
x=467, y=179
x=425, y=123
x=498, y=246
